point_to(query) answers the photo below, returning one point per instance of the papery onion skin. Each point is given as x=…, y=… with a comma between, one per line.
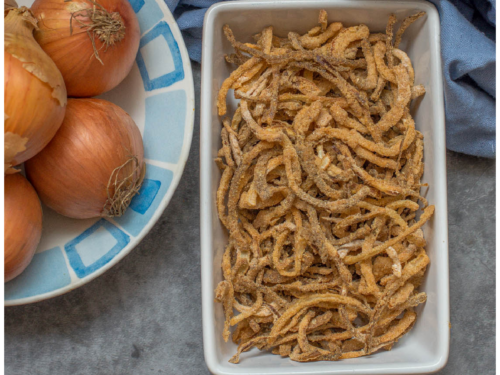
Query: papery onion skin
x=74, y=54
x=23, y=224
x=35, y=95
x=8, y=5
x=72, y=173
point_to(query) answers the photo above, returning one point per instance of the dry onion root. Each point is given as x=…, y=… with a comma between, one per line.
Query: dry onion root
x=94, y=43
x=23, y=224
x=35, y=94
x=321, y=167
x=94, y=165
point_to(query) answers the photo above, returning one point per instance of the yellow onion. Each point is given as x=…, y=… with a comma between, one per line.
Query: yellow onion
x=35, y=95
x=23, y=224
x=94, y=164
x=93, y=43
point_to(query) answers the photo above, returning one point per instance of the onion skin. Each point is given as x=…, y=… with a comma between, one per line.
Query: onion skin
x=74, y=55
x=35, y=95
x=9, y=5
x=72, y=173
x=32, y=112
x=23, y=224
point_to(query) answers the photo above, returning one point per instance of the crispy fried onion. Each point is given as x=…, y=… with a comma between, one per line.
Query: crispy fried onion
x=320, y=193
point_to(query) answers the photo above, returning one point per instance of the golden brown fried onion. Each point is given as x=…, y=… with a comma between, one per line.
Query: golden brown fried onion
x=321, y=168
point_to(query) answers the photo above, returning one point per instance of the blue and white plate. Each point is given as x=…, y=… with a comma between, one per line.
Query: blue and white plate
x=158, y=94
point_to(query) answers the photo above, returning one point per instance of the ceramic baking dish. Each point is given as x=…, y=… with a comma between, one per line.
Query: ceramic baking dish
x=425, y=348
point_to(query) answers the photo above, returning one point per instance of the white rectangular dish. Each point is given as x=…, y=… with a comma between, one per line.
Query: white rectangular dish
x=425, y=348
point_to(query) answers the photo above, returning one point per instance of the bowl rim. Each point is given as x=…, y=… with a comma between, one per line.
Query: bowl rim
x=177, y=172
x=207, y=214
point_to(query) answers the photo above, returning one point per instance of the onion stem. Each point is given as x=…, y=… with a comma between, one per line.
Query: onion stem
x=21, y=22
x=108, y=27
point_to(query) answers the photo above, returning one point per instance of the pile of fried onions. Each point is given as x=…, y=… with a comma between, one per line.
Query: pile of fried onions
x=320, y=188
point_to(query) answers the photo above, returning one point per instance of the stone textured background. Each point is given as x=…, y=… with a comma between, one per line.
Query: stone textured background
x=144, y=315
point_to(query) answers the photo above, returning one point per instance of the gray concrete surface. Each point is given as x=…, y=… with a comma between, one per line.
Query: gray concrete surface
x=144, y=315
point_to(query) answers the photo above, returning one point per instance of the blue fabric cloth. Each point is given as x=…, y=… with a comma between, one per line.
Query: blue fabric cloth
x=468, y=54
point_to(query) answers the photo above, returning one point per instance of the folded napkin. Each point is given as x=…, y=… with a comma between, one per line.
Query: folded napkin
x=468, y=54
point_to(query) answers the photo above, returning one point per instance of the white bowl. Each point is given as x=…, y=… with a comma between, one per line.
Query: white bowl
x=158, y=93
x=425, y=348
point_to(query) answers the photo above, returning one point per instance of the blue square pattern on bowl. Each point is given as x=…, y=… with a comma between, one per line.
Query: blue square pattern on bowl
x=144, y=204
x=148, y=13
x=137, y=5
x=95, y=247
x=147, y=195
x=46, y=272
x=162, y=141
x=159, y=58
